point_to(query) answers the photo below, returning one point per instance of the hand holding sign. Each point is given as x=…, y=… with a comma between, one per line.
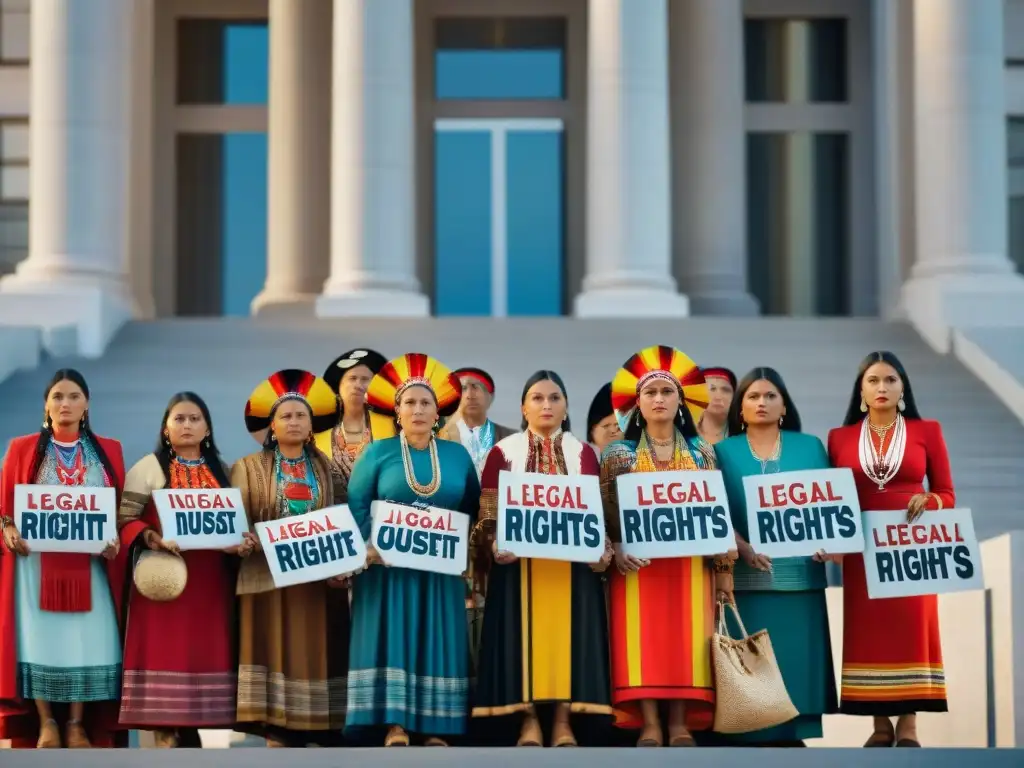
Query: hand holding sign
x=917, y=506
x=14, y=542
x=502, y=557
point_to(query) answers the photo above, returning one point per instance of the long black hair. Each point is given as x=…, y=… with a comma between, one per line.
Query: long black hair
x=683, y=421
x=853, y=411
x=84, y=427
x=791, y=419
x=546, y=376
x=207, y=448
x=269, y=443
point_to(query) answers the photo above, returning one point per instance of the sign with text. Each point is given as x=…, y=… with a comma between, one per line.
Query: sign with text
x=201, y=518
x=674, y=514
x=551, y=517
x=421, y=537
x=312, y=547
x=63, y=518
x=797, y=514
x=935, y=554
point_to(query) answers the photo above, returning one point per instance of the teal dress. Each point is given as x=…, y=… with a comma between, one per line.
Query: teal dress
x=789, y=601
x=409, y=655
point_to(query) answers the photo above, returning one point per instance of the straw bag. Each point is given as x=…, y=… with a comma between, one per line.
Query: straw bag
x=749, y=691
x=160, y=576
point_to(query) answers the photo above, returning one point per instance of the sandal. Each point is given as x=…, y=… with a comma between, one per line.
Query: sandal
x=165, y=739
x=562, y=736
x=531, y=734
x=435, y=741
x=49, y=735
x=881, y=739
x=681, y=739
x=76, y=736
x=650, y=737
x=397, y=737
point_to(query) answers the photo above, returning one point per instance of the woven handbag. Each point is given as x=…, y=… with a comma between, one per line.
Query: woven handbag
x=749, y=691
x=160, y=576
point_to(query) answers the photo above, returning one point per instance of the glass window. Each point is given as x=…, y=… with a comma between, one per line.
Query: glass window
x=798, y=61
x=223, y=62
x=15, y=37
x=1015, y=141
x=798, y=222
x=13, y=161
x=482, y=58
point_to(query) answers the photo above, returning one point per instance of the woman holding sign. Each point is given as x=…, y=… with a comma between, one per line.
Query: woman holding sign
x=662, y=611
x=409, y=668
x=892, y=654
x=545, y=634
x=59, y=638
x=293, y=640
x=785, y=596
x=172, y=684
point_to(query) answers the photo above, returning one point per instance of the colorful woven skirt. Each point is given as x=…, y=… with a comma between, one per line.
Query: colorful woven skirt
x=892, y=654
x=662, y=619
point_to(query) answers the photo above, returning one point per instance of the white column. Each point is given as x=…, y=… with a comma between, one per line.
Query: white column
x=299, y=145
x=709, y=155
x=373, y=174
x=629, y=263
x=76, y=271
x=962, y=276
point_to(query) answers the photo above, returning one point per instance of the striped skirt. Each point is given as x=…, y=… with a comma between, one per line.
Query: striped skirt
x=662, y=619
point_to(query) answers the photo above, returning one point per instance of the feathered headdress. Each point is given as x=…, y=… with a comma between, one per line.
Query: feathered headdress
x=398, y=375
x=652, y=363
x=290, y=384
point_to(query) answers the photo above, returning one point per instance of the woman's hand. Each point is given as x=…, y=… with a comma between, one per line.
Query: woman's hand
x=502, y=557
x=337, y=582
x=628, y=563
x=110, y=551
x=13, y=540
x=821, y=556
x=373, y=557
x=155, y=541
x=250, y=543
x=606, y=558
x=754, y=560
x=724, y=587
x=917, y=505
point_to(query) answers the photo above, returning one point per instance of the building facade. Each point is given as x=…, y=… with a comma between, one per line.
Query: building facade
x=509, y=157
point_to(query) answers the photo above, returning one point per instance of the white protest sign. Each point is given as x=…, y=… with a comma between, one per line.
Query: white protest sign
x=674, y=514
x=66, y=518
x=550, y=517
x=935, y=554
x=312, y=547
x=797, y=514
x=202, y=518
x=420, y=537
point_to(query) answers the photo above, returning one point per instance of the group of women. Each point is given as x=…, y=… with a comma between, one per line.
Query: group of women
x=385, y=655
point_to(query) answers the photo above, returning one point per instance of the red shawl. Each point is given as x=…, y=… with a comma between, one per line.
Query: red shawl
x=17, y=720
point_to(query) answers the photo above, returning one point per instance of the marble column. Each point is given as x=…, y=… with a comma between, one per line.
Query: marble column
x=76, y=273
x=373, y=174
x=709, y=155
x=299, y=147
x=962, y=276
x=629, y=258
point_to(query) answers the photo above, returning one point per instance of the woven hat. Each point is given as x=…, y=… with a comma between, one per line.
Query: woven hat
x=657, y=362
x=290, y=384
x=336, y=370
x=396, y=376
x=160, y=576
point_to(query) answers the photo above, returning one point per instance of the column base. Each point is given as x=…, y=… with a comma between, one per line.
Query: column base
x=724, y=304
x=937, y=305
x=631, y=303
x=93, y=307
x=373, y=302
x=278, y=304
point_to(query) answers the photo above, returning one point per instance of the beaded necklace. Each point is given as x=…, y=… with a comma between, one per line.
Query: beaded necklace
x=421, y=490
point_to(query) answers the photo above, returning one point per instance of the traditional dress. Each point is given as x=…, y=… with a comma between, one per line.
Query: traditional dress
x=59, y=635
x=662, y=616
x=293, y=642
x=892, y=654
x=409, y=662
x=788, y=601
x=170, y=680
x=545, y=634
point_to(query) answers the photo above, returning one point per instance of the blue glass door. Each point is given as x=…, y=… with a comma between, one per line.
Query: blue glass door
x=498, y=217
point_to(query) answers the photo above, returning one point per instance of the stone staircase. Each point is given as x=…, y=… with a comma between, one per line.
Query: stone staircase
x=223, y=359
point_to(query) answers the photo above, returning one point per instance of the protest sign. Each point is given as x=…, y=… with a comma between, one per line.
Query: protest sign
x=797, y=514
x=202, y=518
x=65, y=518
x=935, y=554
x=312, y=547
x=552, y=517
x=421, y=537
x=674, y=514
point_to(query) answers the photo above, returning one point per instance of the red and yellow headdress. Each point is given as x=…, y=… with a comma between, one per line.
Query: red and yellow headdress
x=398, y=375
x=652, y=363
x=290, y=384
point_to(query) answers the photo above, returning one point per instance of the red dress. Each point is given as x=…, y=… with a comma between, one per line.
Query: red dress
x=179, y=660
x=892, y=655
x=18, y=719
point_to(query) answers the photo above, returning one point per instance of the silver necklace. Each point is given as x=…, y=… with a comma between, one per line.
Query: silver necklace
x=773, y=457
x=881, y=466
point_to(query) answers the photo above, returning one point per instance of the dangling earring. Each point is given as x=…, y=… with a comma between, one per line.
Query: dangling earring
x=167, y=439
x=84, y=421
x=863, y=406
x=638, y=418
x=901, y=405
x=206, y=442
x=781, y=419
x=273, y=437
